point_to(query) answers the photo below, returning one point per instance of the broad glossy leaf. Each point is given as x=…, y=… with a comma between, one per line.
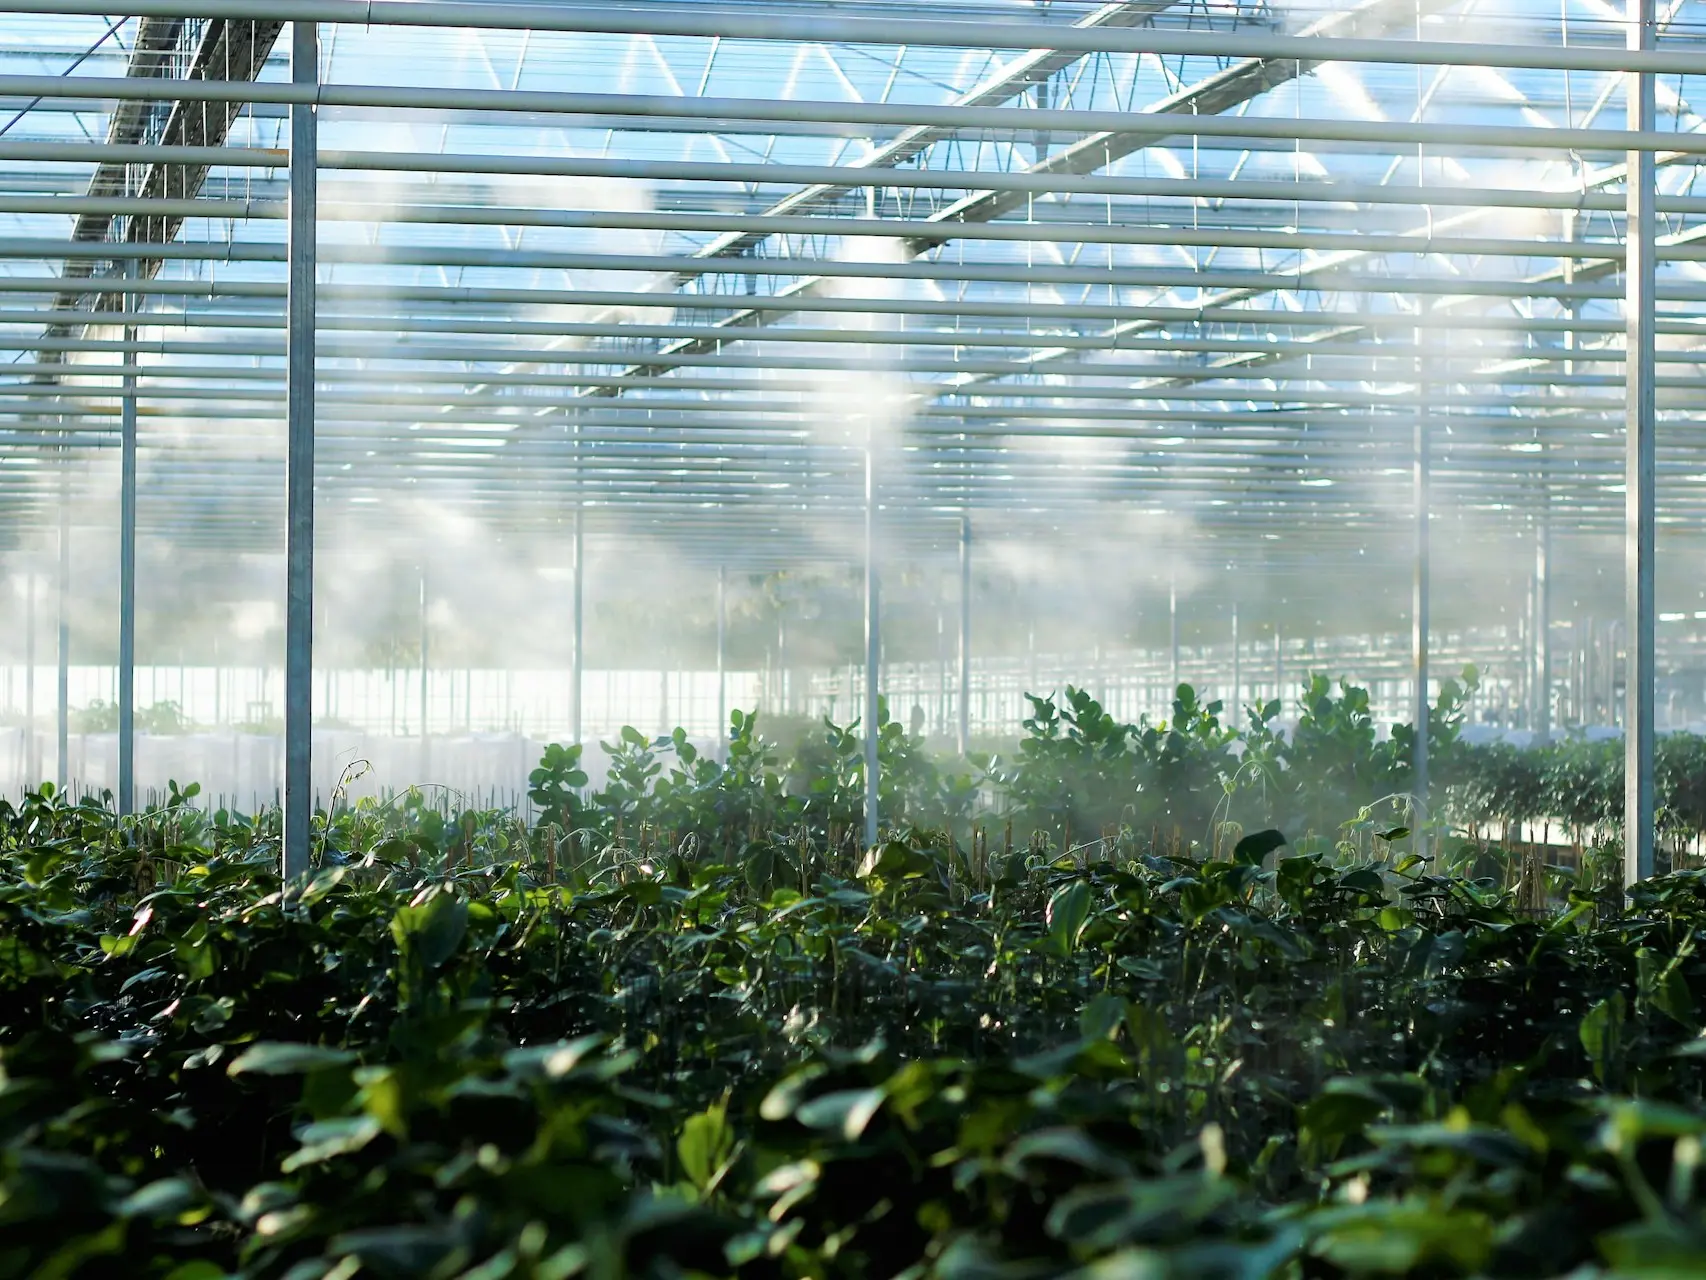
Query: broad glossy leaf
x=282, y=1059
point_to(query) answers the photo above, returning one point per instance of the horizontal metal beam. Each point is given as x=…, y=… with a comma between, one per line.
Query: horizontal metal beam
x=916, y=229
x=1026, y=120
x=231, y=335
x=763, y=174
x=733, y=24
x=460, y=296
x=937, y=270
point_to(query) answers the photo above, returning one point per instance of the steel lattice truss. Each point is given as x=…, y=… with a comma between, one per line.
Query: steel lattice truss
x=675, y=263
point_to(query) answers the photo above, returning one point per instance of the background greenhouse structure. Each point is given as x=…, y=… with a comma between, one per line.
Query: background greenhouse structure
x=471, y=374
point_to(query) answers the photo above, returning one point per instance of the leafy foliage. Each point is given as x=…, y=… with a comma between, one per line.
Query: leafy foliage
x=685, y=1027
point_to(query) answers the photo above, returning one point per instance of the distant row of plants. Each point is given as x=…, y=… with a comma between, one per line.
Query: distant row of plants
x=1200, y=776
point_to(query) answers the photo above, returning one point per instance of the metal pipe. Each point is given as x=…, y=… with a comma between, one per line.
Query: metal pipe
x=1173, y=634
x=1532, y=370
x=1279, y=669
x=357, y=389
x=577, y=671
x=774, y=173
x=926, y=230
x=62, y=767
x=963, y=737
x=32, y=746
x=1236, y=671
x=936, y=270
x=1033, y=679
x=1640, y=481
x=299, y=465
x=1543, y=621
x=1044, y=312
x=722, y=664
x=1420, y=589
x=1515, y=358
x=822, y=28
x=782, y=658
x=873, y=642
x=426, y=667
x=127, y=584
x=939, y=710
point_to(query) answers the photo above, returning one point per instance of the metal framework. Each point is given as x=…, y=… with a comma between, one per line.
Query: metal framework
x=766, y=282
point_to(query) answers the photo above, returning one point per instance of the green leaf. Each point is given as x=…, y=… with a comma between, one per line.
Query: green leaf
x=706, y=1146
x=200, y=1269
x=1258, y=845
x=1602, y=1034
x=1102, y=1017
x=167, y=1198
x=280, y=1059
x=430, y=933
x=329, y=1138
x=1663, y=986
x=846, y=1110
x=1068, y=912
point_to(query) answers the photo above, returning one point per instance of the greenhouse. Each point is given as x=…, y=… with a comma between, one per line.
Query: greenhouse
x=985, y=638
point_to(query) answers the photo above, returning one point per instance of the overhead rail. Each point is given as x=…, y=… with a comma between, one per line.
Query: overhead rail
x=1155, y=124
x=713, y=22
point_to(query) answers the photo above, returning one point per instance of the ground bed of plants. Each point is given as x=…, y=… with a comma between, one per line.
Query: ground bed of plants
x=1128, y=1004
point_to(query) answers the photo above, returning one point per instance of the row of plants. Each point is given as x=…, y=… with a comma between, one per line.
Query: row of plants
x=1077, y=773
x=449, y=1053
x=1201, y=776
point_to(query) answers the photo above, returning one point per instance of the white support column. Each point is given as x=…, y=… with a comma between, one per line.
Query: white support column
x=1543, y=620
x=939, y=719
x=722, y=664
x=1640, y=282
x=1237, y=671
x=62, y=724
x=782, y=689
x=1420, y=588
x=964, y=702
x=32, y=743
x=1172, y=640
x=577, y=664
x=426, y=667
x=299, y=465
x=873, y=644
x=127, y=565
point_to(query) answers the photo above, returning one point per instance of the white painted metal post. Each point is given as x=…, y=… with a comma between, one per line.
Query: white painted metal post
x=62, y=765
x=127, y=566
x=1173, y=640
x=577, y=665
x=299, y=466
x=964, y=707
x=939, y=720
x=1419, y=606
x=722, y=663
x=782, y=655
x=1543, y=621
x=426, y=667
x=32, y=743
x=873, y=644
x=1237, y=672
x=1640, y=283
